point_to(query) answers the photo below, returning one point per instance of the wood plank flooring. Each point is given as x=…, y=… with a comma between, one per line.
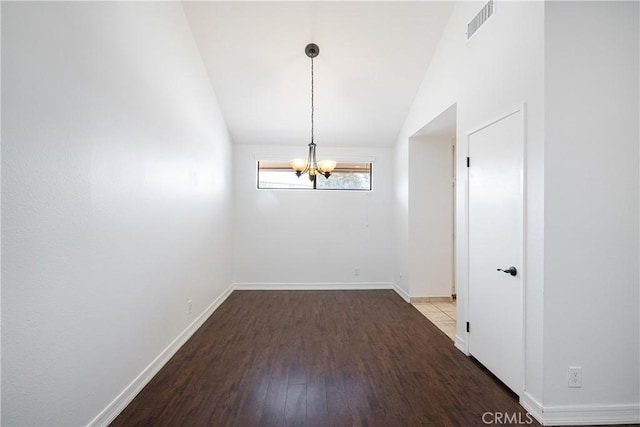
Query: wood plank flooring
x=319, y=358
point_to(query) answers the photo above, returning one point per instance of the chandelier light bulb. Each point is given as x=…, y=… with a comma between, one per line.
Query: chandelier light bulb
x=298, y=165
x=326, y=165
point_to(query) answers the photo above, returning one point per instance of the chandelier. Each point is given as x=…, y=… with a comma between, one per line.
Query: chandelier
x=311, y=166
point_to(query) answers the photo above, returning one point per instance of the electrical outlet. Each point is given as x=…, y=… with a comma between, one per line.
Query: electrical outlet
x=189, y=306
x=356, y=271
x=401, y=274
x=575, y=377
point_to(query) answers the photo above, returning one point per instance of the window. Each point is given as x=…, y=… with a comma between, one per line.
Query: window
x=346, y=176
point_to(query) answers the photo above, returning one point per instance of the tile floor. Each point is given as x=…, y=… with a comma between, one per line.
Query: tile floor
x=441, y=314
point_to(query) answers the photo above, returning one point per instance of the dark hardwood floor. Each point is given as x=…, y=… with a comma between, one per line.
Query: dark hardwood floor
x=319, y=358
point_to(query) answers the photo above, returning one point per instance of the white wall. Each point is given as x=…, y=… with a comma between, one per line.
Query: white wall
x=499, y=68
x=116, y=200
x=306, y=237
x=591, y=197
x=0, y=224
x=430, y=216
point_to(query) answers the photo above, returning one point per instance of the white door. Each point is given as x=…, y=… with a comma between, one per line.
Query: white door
x=495, y=242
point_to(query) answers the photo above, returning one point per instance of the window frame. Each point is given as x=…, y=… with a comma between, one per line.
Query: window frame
x=315, y=187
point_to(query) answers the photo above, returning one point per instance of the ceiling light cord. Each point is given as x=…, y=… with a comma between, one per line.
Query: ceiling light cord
x=312, y=100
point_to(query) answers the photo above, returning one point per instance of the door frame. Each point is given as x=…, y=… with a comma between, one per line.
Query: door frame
x=520, y=108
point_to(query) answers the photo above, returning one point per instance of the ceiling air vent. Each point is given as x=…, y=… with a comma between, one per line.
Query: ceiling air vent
x=482, y=16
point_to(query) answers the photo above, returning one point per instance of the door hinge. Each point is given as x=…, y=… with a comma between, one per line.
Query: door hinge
x=468, y=162
x=467, y=326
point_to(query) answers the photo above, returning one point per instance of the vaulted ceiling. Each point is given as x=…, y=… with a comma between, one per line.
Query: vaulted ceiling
x=373, y=57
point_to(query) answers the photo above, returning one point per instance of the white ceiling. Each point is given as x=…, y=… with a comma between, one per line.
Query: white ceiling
x=373, y=56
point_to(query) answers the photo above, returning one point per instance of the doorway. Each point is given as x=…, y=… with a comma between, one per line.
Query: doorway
x=432, y=188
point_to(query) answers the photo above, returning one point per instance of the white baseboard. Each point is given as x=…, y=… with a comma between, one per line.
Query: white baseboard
x=403, y=294
x=580, y=415
x=114, y=408
x=319, y=286
x=532, y=406
x=422, y=300
x=460, y=344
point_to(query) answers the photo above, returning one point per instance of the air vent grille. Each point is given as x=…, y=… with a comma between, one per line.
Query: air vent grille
x=482, y=16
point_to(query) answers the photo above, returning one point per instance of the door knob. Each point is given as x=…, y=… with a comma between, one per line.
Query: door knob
x=511, y=270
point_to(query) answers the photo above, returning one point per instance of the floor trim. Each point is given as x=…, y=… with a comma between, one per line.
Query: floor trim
x=108, y=414
x=319, y=286
x=532, y=406
x=423, y=300
x=460, y=344
x=590, y=414
x=403, y=294
x=580, y=414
